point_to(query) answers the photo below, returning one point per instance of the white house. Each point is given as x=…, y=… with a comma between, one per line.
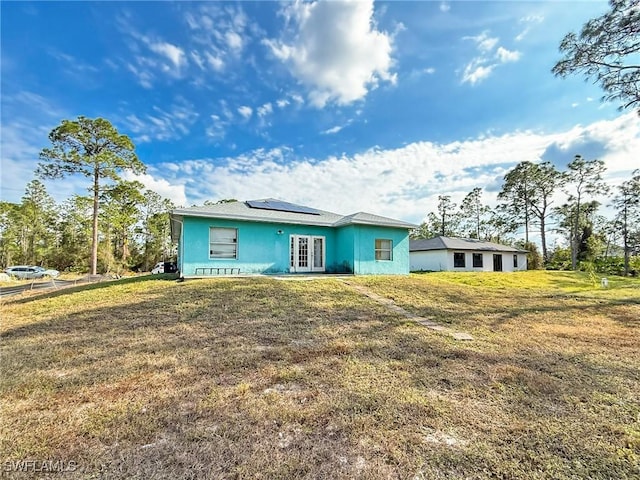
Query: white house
x=464, y=255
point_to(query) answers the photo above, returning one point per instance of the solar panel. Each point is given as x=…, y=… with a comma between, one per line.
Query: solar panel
x=281, y=206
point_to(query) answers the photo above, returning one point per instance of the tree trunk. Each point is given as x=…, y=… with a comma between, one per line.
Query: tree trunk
x=526, y=210
x=125, y=246
x=625, y=237
x=575, y=237
x=94, y=240
x=543, y=239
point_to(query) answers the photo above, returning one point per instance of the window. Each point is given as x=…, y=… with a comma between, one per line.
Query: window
x=383, y=249
x=515, y=261
x=477, y=260
x=223, y=242
x=458, y=259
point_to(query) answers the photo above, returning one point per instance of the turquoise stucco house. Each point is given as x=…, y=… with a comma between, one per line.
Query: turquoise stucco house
x=270, y=236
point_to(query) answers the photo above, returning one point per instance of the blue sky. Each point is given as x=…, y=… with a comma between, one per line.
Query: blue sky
x=364, y=106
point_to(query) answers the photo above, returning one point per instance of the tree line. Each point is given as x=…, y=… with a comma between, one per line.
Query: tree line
x=120, y=226
x=526, y=203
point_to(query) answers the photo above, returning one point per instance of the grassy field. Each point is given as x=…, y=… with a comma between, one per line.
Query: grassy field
x=261, y=378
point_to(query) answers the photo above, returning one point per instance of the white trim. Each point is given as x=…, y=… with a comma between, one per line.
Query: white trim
x=383, y=250
x=323, y=254
x=294, y=253
x=234, y=243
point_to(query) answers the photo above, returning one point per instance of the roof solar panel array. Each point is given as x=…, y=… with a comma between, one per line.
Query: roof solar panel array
x=281, y=206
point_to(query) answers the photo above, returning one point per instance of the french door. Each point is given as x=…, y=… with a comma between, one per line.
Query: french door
x=307, y=253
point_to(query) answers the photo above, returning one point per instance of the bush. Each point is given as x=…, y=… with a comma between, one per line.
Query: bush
x=534, y=258
x=559, y=259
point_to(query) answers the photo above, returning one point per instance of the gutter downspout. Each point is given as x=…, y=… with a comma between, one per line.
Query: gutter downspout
x=180, y=246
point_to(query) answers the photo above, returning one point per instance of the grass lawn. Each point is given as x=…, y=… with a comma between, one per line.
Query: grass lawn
x=260, y=378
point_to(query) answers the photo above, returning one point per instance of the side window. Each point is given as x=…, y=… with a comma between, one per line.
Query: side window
x=223, y=243
x=477, y=260
x=515, y=261
x=383, y=249
x=458, y=259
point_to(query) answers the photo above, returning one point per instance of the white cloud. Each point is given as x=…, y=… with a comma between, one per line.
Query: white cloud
x=505, y=55
x=161, y=123
x=174, y=192
x=335, y=50
x=265, y=110
x=474, y=73
x=197, y=59
x=429, y=70
x=169, y=59
x=283, y=102
x=75, y=68
x=444, y=7
x=220, y=122
x=234, y=40
x=483, y=65
x=337, y=128
x=529, y=21
x=403, y=182
x=174, y=54
x=19, y=157
x=484, y=42
x=245, y=111
x=218, y=127
x=145, y=77
x=220, y=33
x=332, y=130
x=216, y=63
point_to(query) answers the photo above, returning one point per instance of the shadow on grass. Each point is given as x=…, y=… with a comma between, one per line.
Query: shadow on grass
x=180, y=383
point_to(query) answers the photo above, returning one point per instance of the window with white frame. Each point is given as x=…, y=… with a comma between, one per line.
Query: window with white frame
x=477, y=260
x=223, y=243
x=515, y=261
x=383, y=249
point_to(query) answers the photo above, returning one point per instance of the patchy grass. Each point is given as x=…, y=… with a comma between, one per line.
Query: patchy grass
x=259, y=378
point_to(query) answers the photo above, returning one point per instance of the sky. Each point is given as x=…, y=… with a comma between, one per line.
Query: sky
x=343, y=106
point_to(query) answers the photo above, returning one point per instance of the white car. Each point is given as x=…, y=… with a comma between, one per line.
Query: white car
x=164, y=267
x=159, y=268
x=30, y=271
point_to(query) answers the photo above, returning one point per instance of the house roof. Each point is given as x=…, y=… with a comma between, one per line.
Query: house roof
x=363, y=218
x=452, y=243
x=272, y=210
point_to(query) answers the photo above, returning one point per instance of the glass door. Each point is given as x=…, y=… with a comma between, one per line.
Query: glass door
x=307, y=253
x=318, y=254
x=303, y=264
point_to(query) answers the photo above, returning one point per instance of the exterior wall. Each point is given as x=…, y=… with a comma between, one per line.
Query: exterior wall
x=365, y=263
x=260, y=248
x=442, y=260
x=431, y=260
x=522, y=262
x=345, y=243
